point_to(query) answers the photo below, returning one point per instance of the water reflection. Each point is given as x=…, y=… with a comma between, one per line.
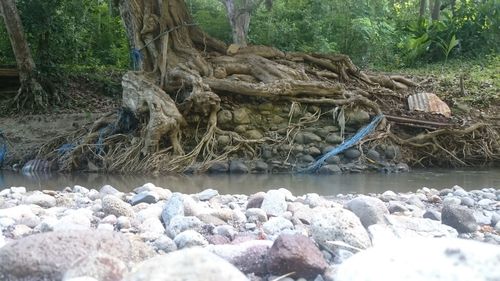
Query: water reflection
x=247, y=184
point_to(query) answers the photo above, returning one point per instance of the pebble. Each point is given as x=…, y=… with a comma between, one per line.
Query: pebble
x=459, y=217
x=190, y=238
x=276, y=224
x=274, y=203
x=370, y=210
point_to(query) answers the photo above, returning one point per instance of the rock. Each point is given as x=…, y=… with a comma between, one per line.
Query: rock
x=217, y=239
x=151, y=229
x=21, y=214
x=75, y=220
x=495, y=218
x=260, y=167
x=165, y=244
x=105, y=226
x=218, y=167
x=485, y=202
x=21, y=230
x=334, y=139
x=397, y=207
x=123, y=222
x=274, y=203
x=241, y=116
x=189, y=264
x=373, y=155
x=357, y=117
x=307, y=138
x=256, y=215
x=40, y=199
x=207, y=194
x=112, y=205
x=352, y=153
x=433, y=215
x=333, y=160
x=224, y=117
x=225, y=230
x=313, y=151
x=307, y=158
x=295, y=253
x=467, y=201
x=223, y=140
x=173, y=207
x=442, y=259
x=450, y=200
x=329, y=169
x=190, y=238
x=459, y=217
x=210, y=219
x=18, y=189
x=338, y=224
x=253, y=134
x=47, y=256
x=255, y=200
x=237, y=167
x=391, y=152
x=108, y=190
x=406, y=227
x=276, y=224
x=389, y=195
x=249, y=256
x=179, y=224
x=100, y=266
x=148, y=197
x=370, y=210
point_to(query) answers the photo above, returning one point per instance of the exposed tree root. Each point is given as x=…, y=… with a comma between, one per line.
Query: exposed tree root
x=184, y=73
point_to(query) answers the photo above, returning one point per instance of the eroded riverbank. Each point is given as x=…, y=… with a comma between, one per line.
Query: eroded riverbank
x=73, y=232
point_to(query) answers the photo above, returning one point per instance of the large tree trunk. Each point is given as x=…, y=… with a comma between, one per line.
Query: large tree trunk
x=239, y=20
x=436, y=10
x=30, y=92
x=422, y=9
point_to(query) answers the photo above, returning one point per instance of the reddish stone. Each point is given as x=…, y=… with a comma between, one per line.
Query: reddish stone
x=295, y=253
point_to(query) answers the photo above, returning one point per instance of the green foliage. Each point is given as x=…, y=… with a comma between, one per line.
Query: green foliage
x=211, y=16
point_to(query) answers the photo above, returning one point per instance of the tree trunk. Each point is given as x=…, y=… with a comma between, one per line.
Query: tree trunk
x=421, y=11
x=239, y=20
x=30, y=91
x=436, y=9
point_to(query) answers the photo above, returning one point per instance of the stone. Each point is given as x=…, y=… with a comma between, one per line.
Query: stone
x=189, y=264
x=40, y=199
x=248, y=257
x=255, y=200
x=112, y=205
x=165, y=244
x=226, y=231
x=276, y=224
x=2, y=240
x=399, y=227
x=373, y=155
x=338, y=224
x=108, y=190
x=307, y=138
x=253, y=134
x=451, y=200
x=391, y=152
x=224, y=117
x=370, y=210
x=223, y=140
x=47, y=256
x=21, y=214
x=357, y=117
x=20, y=230
x=100, y=266
x=329, y=169
x=334, y=139
x=173, y=207
x=389, y=195
x=485, y=202
x=218, y=167
x=443, y=259
x=260, y=167
x=241, y=116
x=207, y=194
x=433, y=215
x=313, y=151
x=295, y=253
x=402, y=168
x=467, y=201
x=274, y=203
x=149, y=197
x=307, y=158
x=352, y=153
x=210, y=219
x=190, y=238
x=237, y=167
x=75, y=220
x=256, y=215
x=396, y=207
x=179, y=224
x=123, y=222
x=333, y=160
x=459, y=217
x=105, y=226
x=151, y=229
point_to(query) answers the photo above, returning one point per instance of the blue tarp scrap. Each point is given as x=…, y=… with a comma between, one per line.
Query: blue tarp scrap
x=345, y=145
x=3, y=148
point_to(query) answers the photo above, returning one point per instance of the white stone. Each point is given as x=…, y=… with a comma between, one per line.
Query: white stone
x=2, y=240
x=21, y=214
x=190, y=238
x=151, y=229
x=40, y=199
x=276, y=224
x=80, y=189
x=153, y=211
x=18, y=189
x=21, y=230
x=74, y=220
x=430, y=259
x=274, y=203
x=105, y=226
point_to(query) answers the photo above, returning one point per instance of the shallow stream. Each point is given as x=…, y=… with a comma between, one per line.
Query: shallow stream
x=248, y=184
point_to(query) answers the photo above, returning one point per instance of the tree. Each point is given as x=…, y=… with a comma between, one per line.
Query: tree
x=239, y=13
x=31, y=93
x=436, y=9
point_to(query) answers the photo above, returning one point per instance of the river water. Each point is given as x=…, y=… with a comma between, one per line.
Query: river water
x=248, y=184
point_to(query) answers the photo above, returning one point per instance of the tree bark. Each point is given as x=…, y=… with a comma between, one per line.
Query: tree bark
x=25, y=63
x=239, y=19
x=421, y=11
x=436, y=9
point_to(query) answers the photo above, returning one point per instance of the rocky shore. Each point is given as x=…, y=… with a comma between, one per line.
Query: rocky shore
x=154, y=234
